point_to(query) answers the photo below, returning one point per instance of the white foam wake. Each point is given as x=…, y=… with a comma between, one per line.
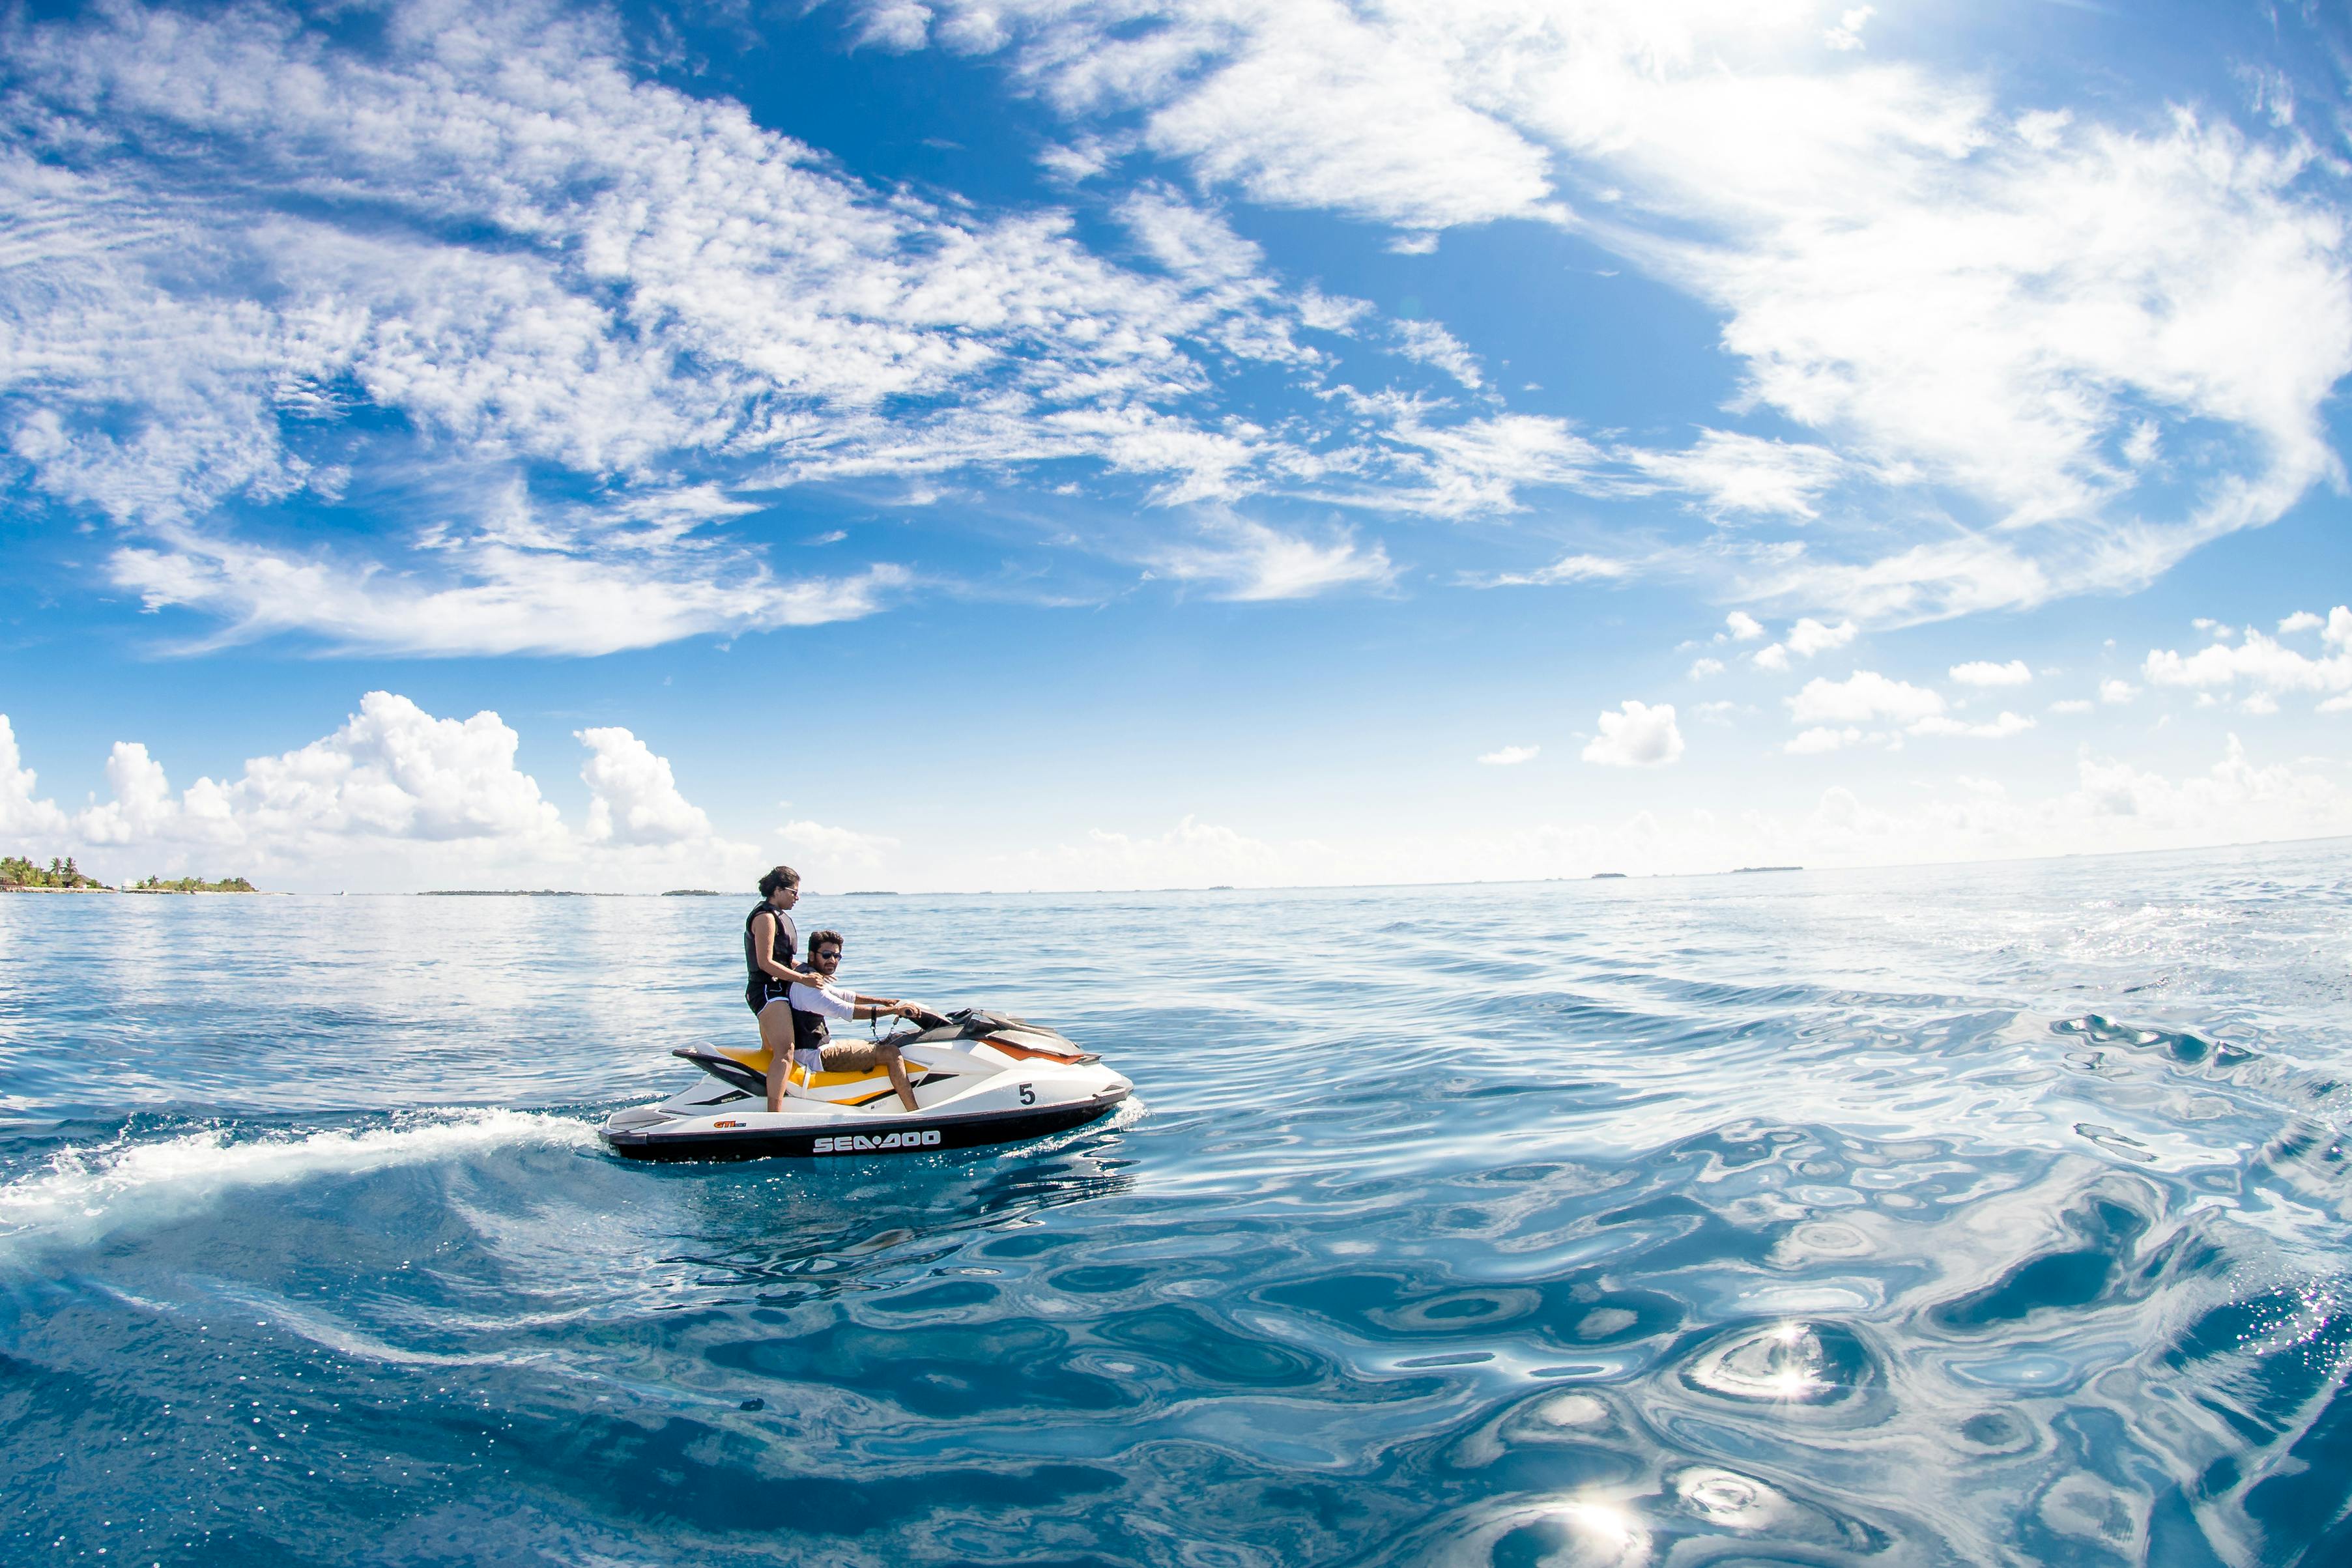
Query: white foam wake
x=88, y=1194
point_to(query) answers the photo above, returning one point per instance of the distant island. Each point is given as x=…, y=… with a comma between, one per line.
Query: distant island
x=19, y=874
x=512, y=893
x=1744, y=869
x=1608, y=877
x=694, y=893
x=192, y=884
x=869, y=893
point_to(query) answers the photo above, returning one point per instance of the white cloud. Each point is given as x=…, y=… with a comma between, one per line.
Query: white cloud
x=1434, y=345
x=1805, y=639
x=1743, y=627
x=1809, y=637
x=895, y=25
x=2301, y=621
x=2108, y=806
x=2022, y=311
x=517, y=583
x=2260, y=662
x=1246, y=560
x=673, y=292
x=1511, y=756
x=2219, y=805
x=22, y=812
x=2113, y=806
x=1847, y=34
x=1331, y=312
x=398, y=797
x=142, y=805
x=2115, y=691
x=2000, y=728
x=1479, y=465
x=1863, y=697
x=1192, y=854
x=1702, y=668
x=634, y=798
x=2071, y=705
x=1311, y=108
x=1639, y=735
x=1194, y=243
x=2071, y=351
x=829, y=857
x=1985, y=672
x=1734, y=473
x=1822, y=737
x=1567, y=568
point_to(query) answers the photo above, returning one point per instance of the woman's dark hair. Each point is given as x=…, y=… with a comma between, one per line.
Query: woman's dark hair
x=824, y=939
x=782, y=876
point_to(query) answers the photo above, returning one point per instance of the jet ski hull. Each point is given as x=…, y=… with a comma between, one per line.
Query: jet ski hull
x=870, y=1136
x=978, y=1078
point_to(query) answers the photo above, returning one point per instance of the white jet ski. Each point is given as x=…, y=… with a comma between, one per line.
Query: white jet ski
x=977, y=1077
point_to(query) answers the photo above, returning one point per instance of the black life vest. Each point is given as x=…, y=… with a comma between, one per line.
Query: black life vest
x=781, y=950
x=811, y=1032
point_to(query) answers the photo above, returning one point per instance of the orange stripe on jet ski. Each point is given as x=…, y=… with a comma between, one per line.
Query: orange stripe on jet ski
x=1023, y=1052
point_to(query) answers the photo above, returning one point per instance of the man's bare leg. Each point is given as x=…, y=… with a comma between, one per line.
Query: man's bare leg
x=776, y=1034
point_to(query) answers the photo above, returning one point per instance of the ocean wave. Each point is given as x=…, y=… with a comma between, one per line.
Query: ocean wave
x=89, y=1193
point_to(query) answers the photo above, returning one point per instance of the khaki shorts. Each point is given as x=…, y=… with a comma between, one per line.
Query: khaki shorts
x=851, y=1057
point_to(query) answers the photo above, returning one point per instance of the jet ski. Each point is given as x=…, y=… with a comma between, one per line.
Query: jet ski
x=979, y=1078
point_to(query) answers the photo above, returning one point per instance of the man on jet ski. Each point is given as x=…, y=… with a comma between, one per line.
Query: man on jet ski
x=812, y=1046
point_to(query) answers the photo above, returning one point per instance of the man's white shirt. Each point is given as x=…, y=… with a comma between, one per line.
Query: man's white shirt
x=831, y=1000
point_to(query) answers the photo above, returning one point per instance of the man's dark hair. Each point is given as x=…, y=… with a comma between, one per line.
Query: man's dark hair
x=820, y=938
x=782, y=876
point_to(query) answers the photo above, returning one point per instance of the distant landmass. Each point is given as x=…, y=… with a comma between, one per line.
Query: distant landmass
x=1608, y=877
x=512, y=893
x=1742, y=870
x=19, y=874
x=694, y=893
x=869, y=893
x=192, y=884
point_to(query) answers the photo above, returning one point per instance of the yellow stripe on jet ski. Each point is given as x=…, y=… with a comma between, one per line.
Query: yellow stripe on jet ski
x=758, y=1061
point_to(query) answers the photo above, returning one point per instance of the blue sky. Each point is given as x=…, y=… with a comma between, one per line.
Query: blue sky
x=1167, y=442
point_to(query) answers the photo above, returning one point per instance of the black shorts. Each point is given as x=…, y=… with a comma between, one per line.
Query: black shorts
x=759, y=993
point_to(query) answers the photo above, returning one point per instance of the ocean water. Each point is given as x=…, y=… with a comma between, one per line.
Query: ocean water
x=1979, y=1215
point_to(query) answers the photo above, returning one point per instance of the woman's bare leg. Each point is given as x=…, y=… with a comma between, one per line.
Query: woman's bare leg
x=895, y=1064
x=776, y=1034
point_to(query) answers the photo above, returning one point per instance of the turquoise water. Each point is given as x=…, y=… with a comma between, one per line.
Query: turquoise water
x=1983, y=1215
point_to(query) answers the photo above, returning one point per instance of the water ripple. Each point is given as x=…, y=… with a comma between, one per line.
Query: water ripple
x=1964, y=1215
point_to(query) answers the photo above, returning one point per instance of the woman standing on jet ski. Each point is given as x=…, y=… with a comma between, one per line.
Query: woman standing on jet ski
x=770, y=941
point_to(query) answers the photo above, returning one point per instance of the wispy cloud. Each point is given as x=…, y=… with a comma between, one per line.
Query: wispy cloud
x=2011, y=319
x=1238, y=558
